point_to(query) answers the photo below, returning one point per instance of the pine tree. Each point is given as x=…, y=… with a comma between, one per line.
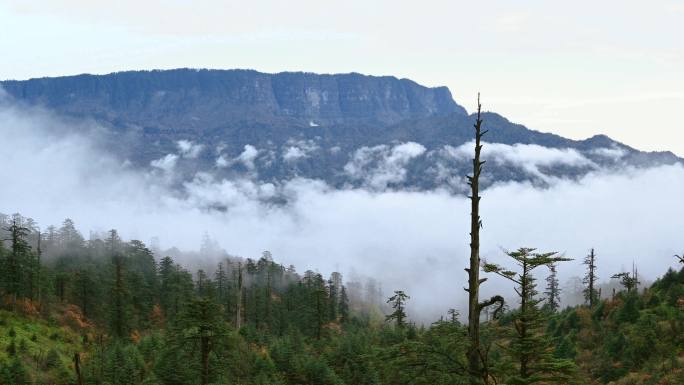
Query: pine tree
x=590, y=293
x=315, y=286
x=123, y=364
x=530, y=346
x=344, y=305
x=201, y=322
x=83, y=291
x=333, y=300
x=268, y=290
x=16, y=259
x=167, y=289
x=398, y=301
x=240, y=298
x=202, y=283
x=221, y=280
x=141, y=281
x=14, y=373
x=38, y=267
x=69, y=238
x=119, y=301
x=628, y=280
x=552, y=290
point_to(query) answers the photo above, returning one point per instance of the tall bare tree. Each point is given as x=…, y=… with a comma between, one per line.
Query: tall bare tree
x=477, y=367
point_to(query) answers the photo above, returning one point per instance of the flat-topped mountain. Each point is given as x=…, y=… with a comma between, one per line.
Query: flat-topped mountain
x=185, y=98
x=350, y=130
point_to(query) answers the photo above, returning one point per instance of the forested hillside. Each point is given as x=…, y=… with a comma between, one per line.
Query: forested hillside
x=105, y=311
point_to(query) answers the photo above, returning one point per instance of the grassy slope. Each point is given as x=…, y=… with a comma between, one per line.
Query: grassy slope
x=34, y=340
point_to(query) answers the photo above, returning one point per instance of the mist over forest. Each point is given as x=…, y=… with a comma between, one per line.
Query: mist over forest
x=341, y=193
x=61, y=167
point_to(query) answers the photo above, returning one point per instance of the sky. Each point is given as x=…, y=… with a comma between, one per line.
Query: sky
x=573, y=68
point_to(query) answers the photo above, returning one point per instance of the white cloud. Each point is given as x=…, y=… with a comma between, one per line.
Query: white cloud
x=296, y=149
x=292, y=154
x=614, y=153
x=188, y=149
x=529, y=157
x=166, y=163
x=222, y=161
x=381, y=165
x=248, y=156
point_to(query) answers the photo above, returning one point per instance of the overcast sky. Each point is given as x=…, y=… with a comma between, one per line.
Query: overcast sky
x=574, y=68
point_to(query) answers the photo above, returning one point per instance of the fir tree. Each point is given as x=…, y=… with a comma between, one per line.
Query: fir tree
x=16, y=260
x=83, y=291
x=398, y=301
x=553, y=290
x=201, y=322
x=628, y=280
x=118, y=293
x=344, y=305
x=222, y=287
x=590, y=292
x=529, y=346
x=333, y=300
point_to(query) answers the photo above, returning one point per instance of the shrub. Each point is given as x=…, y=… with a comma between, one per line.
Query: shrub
x=52, y=359
x=11, y=349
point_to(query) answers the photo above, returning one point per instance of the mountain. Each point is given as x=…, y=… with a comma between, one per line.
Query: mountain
x=350, y=130
x=187, y=100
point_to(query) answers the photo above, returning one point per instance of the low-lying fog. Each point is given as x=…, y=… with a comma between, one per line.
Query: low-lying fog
x=52, y=168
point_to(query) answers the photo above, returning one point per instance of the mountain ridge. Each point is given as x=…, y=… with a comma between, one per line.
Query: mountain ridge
x=298, y=95
x=339, y=128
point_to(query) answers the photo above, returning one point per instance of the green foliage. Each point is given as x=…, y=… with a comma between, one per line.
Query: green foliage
x=134, y=321
x=124, y=364
x=632, y=333
x=398, y=303
x=529, y=345
x=52, y=359
x=14, y=373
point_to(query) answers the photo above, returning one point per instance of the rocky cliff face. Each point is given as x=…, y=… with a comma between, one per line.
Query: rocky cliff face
x=205, y=99
x=348, y=130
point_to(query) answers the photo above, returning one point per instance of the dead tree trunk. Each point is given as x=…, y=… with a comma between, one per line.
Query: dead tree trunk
x=476, y=360
x=77, y=368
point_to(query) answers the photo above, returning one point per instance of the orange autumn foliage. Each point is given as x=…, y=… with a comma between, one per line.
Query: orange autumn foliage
x=72, y=316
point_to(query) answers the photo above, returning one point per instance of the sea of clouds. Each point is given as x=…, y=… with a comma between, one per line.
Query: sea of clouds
x=53, y=167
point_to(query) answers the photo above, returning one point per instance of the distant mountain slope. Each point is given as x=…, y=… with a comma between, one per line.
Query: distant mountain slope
x=186, y=99
x=349, y=130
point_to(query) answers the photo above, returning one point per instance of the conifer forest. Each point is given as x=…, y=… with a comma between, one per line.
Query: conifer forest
x=358, y=192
